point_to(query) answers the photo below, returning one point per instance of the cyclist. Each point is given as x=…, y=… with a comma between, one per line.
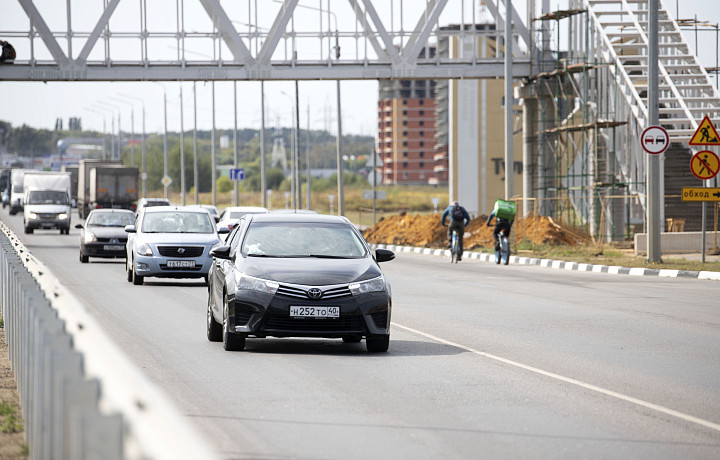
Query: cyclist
x=504, y=214
x=459, y=218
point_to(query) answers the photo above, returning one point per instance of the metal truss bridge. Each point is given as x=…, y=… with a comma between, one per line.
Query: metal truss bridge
x=187, y=40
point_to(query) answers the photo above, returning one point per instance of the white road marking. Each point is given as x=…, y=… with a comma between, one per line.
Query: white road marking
x=630, y=399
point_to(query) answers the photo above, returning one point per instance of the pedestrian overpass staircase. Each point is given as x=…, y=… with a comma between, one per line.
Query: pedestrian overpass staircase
x=686, y=93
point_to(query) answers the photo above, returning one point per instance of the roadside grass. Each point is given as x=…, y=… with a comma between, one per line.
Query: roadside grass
x=10, y=420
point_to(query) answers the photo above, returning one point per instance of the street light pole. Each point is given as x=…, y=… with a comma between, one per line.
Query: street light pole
x=143, y=174
x=182, y=150
x=263, y=180
x=212, y=149
x=236, y=200
x=195, y=147
x=132, y=128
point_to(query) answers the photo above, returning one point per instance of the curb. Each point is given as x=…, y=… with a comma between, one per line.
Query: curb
x=560, y=264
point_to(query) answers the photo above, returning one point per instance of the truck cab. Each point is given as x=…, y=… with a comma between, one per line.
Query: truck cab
x=46, y=201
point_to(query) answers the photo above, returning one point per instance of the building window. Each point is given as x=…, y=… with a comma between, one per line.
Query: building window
x=422, y=133
x=405, y=164
x=405, y=175
x=422, y=165
x=404, y=112
x=422, y=102
x=405, y=154
x=404, y=101
x=422, y=154
x=422, y=123
x=422, y=144
x=404, y=143
x=422, y=112
x=404, y=133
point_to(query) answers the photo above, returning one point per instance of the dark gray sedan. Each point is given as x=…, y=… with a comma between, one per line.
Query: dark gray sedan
x=103, y=233
x=298, y=275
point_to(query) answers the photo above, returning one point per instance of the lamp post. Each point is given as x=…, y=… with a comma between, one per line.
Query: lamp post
x=143, y=175
x=132, y=128
x=112, y=128
x=293, y=152
x=116, y=154
x=104, y=134
x=165, y=140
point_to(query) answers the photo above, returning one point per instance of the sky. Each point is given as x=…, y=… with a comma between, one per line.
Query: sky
x=101, y=104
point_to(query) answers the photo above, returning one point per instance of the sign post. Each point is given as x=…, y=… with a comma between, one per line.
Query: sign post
x=704, y=165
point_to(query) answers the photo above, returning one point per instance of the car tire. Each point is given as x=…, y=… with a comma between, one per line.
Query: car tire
x=378, y=343
x=231, y=341
x=83, y=258
x=28, y=230
x=352, y=338
x=137, y=279
x=129, y=270
x=214, y=329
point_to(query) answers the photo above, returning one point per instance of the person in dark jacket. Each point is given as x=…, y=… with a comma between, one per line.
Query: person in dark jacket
x=500, y=224
x=459, y=218
x=8, y=52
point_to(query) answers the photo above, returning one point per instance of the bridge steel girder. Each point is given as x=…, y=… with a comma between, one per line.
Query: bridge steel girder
x=396, y=52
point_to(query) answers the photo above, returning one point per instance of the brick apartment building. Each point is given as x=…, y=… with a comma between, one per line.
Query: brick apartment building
x=406, y=133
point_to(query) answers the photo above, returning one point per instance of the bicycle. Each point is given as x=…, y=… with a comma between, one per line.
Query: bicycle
x=455, y=248
x=502, y=253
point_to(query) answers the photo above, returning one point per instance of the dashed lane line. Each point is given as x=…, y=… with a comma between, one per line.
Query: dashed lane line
x=588, y=386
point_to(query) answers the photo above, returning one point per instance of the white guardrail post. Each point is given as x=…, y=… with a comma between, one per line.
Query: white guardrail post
x=81, y=396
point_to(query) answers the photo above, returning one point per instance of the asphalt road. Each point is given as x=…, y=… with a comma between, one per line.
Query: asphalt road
x=485, y=361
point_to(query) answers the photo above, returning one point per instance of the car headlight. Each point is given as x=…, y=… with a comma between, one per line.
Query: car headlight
x=62, y=216
x=250, y=283
x=89, y=237
x=144, y=249
x=32, y=215
x=363, y=287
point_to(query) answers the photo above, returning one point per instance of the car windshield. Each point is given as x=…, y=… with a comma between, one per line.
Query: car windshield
x=48, y=197
x=110, y=219
x=149, y=204
x=302, y=239
x=177, y=222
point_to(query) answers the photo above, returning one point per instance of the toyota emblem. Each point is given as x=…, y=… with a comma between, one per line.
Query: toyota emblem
x=314, y=293
x=181, y=250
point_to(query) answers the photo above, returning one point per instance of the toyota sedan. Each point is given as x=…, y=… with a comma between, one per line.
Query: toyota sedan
x=170, y=242
x=298, y=275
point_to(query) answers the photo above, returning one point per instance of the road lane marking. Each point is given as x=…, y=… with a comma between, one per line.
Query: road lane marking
x=588, y=386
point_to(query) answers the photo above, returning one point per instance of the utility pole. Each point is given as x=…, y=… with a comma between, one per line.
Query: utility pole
x=509, y=154
x=654, y=194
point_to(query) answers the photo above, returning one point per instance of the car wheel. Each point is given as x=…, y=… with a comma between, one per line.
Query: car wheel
x=28, y=230
x=137, y=280
x=83, y=258
x=378, y=343
x=352, y=338
x=231, y=341
x=129, y=270
x=214, y=329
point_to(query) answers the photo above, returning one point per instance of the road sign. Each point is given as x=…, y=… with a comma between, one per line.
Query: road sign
x=237, y=174
x=143, y=176
x=654, y=139
x=700, y=194
x=166, y=181
x=379, y=194
x=705, y=164
x=705, y=134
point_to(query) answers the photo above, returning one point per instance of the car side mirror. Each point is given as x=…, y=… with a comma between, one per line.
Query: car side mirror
x=78, y=226
x=221, y=252
x=384, y=255
x=223, y=230
x=130, y=229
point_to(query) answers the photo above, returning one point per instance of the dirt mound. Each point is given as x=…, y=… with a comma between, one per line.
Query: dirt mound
x=426, y=231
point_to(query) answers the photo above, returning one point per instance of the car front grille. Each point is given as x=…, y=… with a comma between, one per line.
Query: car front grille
x=47, y=216
x=109, y=240
x=196, y=268
x=301, y=292
x=349, y=323
x=181, y=251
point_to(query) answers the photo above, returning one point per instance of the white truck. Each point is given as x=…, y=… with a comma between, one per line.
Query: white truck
x=46, y=201
x=16, y=190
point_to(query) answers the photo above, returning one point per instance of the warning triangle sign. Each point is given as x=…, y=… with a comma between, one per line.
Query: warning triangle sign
x=705, y=134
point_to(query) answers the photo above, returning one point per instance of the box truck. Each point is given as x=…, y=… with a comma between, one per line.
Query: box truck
x=113, y=186
x=83, y=187
x=46, y=198
x=16, y=190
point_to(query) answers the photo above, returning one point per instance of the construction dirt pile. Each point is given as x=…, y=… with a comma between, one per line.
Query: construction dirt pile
x=426, y=231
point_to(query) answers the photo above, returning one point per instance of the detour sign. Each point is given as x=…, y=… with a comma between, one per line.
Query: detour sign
x=705, y=165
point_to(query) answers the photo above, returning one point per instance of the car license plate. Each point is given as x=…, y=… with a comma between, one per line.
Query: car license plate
x=314, y=312
x=181, y=264
x=113, y=247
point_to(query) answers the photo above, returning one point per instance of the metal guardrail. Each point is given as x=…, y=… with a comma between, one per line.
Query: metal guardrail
x=81, y=396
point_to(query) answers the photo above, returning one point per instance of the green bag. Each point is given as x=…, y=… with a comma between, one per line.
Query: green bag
x=504, y=209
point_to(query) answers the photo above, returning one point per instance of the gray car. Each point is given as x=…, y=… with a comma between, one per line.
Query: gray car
x=170, y=242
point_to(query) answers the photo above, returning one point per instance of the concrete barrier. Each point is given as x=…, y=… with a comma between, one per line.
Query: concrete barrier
x=677, y=242
x=81, y=396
